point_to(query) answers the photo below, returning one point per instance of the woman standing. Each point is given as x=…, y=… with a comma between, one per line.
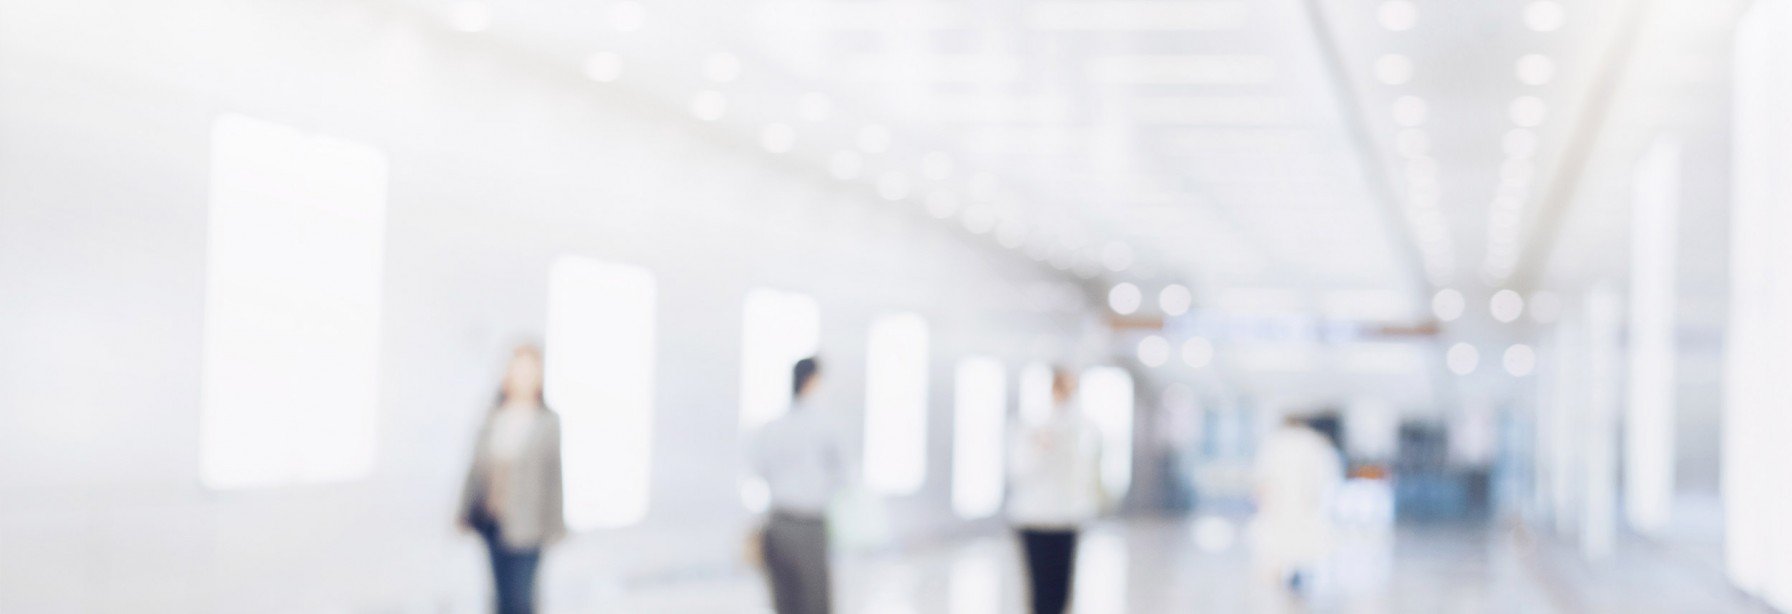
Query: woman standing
x=1055, y=488
x=512, y=496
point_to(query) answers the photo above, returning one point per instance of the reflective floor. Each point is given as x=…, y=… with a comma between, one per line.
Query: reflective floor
x=1166, y=566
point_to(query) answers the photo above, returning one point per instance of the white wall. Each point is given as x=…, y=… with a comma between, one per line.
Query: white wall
x=498, y=165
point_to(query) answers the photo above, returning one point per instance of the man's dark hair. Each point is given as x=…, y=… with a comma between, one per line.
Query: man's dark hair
x=806, y=369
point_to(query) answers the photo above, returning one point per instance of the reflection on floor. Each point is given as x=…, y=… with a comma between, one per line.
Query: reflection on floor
x=1165, y=566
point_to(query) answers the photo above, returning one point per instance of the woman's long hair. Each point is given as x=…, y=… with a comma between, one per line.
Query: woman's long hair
x=541, y=400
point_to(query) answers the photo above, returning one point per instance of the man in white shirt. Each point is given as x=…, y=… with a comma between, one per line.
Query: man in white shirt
x=1054, y=469
x=801, y=460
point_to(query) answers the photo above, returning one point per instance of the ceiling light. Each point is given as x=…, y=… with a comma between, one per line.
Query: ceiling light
x=1154, y=351
x=1448, y=304
x=1529, y=111
x=1544, y=15
x=1462, y=359
x=603, y=66
x=1535, y=69
x=1124, y=298
x=709, y=105
x=777, y=138
x=1410, y=111
x=1175, y=300
x=1506, y=306
x=1398, y=15
x=1393, y=69
x=1520, y=360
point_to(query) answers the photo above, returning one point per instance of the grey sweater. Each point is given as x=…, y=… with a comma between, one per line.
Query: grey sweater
x=533, y=502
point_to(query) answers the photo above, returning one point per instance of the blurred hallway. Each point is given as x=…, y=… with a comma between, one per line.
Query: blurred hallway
x=1158, y=566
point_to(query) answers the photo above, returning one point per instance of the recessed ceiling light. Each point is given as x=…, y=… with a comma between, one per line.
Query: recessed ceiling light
x=1462, y=359
x=1520, y=360
x=1175, y=299
x=1506, y=306
x=1124, y=298
x=1448, y=304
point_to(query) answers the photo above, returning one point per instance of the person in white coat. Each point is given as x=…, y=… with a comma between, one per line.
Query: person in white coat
x=1055, y=487
x=1297, y=472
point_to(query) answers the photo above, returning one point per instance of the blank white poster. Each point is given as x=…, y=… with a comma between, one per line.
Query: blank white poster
x=896, y=362
x=978, y=432
x=1107, y=398
x=778, y=329
x=599, y=358
x=295, y=252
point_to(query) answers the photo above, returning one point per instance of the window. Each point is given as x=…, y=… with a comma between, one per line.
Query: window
x=1106, y=397
x=599, y=377
x=981, y=397
x=289, y=390
x=780, y=328
x=896, y=404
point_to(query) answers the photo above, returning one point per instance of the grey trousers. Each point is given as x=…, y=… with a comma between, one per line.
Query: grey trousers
x=796, y=563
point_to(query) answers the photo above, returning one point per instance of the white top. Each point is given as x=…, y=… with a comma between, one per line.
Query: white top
x=1055, y=471
x=509, y=434
x=801, y=460
x=1297, y=473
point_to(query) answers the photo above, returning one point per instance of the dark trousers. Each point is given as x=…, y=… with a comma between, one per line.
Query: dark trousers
x=1051, y=568
x=513, y=573
x=796, y=563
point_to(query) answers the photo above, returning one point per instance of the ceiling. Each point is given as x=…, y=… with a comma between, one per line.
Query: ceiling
x=1363, y=153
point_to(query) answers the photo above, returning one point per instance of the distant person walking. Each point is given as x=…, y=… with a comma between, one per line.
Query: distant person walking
x=512, y=496
x=1297, y=473
x=1054, y=471
x=802, y=462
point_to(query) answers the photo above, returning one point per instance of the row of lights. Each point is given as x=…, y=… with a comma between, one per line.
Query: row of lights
x=981, y=216
x=1519, y=360
x=1413, y=144
x=1154, y=351
x=1506, y=306
x=1526, y=112
x=1125, y=298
